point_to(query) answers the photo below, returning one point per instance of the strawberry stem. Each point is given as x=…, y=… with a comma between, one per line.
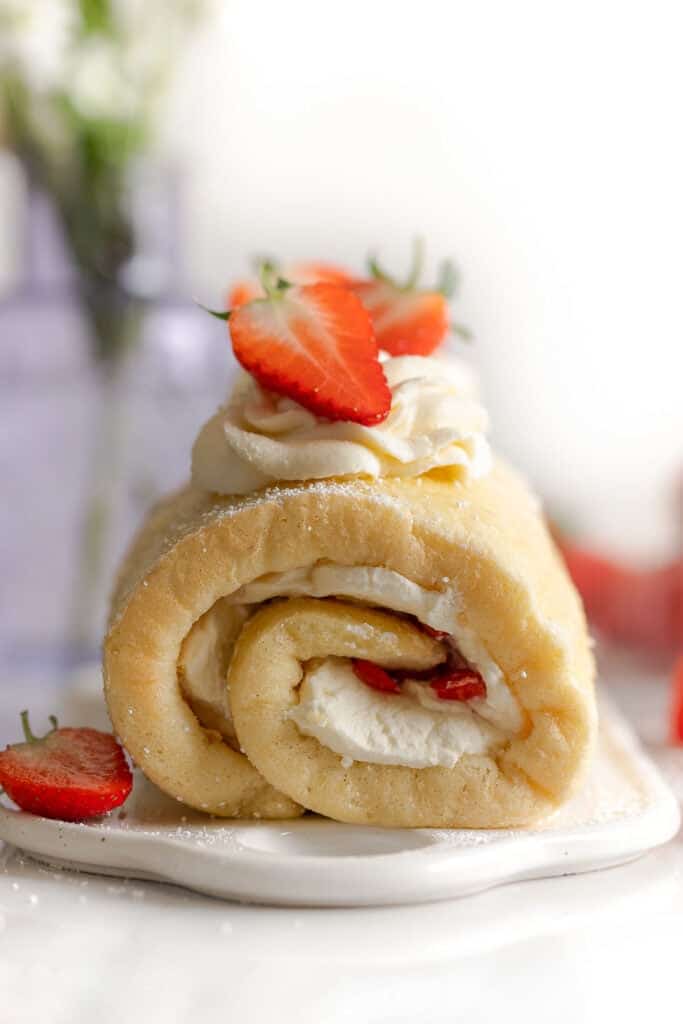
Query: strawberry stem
x=273, y=285
x=25, y=725
x=267, y=272
x=258, y=260
x=219, y=314
x=28, y=732
x=462, y=332
x=447, y=283
x=418, y=262
x=449, y=279
x=376, y=271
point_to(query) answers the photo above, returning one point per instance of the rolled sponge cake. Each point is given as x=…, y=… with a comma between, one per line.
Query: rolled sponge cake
x=482, y=544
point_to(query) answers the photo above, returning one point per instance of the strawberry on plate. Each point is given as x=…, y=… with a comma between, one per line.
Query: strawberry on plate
x=69, y=774
x=299, y=273
x=408, y=320
x=315, y=344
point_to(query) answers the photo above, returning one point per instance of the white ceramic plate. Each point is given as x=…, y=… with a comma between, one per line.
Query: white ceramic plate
x=624, y=810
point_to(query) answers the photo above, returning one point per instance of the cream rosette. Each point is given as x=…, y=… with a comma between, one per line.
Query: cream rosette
x=259, y=439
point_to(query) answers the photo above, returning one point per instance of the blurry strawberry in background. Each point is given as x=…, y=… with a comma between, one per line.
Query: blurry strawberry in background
x=638, y=609
x=676, y=711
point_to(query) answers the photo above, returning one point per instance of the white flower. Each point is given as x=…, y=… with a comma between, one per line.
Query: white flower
x=35, y=36
x=157, y=18
x=98, y=84
x=154, y=32
x=117, y=75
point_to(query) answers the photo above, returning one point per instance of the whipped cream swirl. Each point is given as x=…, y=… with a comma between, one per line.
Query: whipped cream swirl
x=413, y=728
x=260, y=438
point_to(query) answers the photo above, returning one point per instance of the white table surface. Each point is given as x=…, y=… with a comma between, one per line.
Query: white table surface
x=600, y=947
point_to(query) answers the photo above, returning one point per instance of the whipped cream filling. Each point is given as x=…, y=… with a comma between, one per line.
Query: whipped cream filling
x=384, y=588
x=413, y=729
x=260, y=438
x=432, y=732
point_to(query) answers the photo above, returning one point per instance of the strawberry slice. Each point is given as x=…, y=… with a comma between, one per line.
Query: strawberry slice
x=375, y=676
x=314, y=344
x=448, y=684
x=299, y=273
x=405, y=322
x=408, y=320
x=69, y=774
x=459, y=684
x=676, y=716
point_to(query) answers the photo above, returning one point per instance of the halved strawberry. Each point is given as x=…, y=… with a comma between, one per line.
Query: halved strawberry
x=69, y=774
x=314, y=344
x=408, y=320
x=375, y=676
x=299, y=273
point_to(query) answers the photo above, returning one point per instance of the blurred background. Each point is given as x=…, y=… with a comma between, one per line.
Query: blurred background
x=149, y=148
